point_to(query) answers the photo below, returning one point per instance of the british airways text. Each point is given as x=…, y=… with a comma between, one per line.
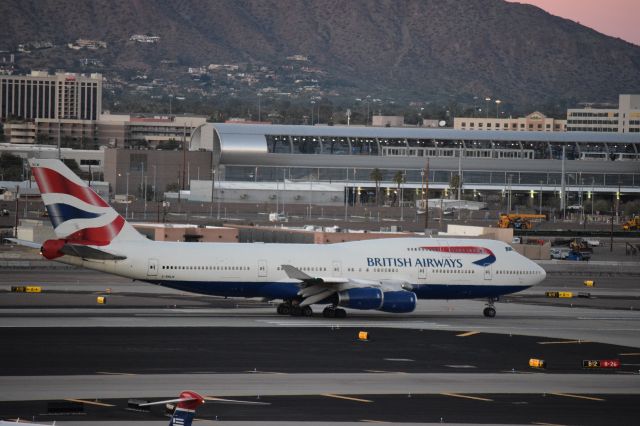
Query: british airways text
x=407, y=262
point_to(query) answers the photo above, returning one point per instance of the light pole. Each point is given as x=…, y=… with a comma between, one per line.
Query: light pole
x=487, y=100
x=213, y=179
x=540, y=199
x=259, y=107
x=126, y=208
x=498, y=102
x=312, y=108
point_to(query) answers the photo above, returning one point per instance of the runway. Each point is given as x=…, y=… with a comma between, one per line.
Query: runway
x=444, y=362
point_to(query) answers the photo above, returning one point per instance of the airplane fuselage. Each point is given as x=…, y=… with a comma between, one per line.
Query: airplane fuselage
x=433, y=268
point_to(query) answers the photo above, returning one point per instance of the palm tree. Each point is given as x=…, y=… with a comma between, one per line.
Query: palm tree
x=398, y=178
x=376, y=176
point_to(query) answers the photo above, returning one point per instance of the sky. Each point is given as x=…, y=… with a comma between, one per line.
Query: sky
x=617, y=18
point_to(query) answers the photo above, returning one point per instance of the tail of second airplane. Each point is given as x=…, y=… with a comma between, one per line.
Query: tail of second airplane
x=185, y=410
x=77, y=213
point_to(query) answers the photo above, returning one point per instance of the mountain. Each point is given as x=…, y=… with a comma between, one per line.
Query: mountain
x=413, y=49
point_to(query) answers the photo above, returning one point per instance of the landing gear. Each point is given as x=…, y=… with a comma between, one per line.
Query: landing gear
x=284, y=308
x=333, y=312
x=287, y=308
x=490, y=310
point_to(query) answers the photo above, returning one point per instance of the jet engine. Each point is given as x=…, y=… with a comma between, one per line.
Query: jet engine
x=399, y=302
x=373, y=298
x=51, y=249
x=361, y=298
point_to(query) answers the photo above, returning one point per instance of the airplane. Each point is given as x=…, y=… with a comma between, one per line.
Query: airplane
x=387, y=275
x=185, y=409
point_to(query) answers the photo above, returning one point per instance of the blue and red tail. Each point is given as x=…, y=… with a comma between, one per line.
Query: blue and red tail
x=77, y=213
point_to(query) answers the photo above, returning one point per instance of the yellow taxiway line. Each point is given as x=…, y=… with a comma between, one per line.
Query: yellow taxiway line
x=350, y=398
x=458, y=395
x=570, y=395
x=468, y=333
x=84, y=401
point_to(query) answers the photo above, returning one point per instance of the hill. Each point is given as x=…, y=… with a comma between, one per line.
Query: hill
x=412, y=49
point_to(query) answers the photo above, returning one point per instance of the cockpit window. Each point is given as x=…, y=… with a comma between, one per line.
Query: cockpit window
x=508, y=248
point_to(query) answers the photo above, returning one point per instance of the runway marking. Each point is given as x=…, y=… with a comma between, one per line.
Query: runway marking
x=399, y=359
x=461, y=366
x=84, y=401
x=109, y=373
x=570, y=395
x=350, y=398
x=263, y=372
x=564, y=342
x=630, y=354
x=372, y=421
x=385, y=372
x=468, y=333
x=459, y=395
x=547, y=424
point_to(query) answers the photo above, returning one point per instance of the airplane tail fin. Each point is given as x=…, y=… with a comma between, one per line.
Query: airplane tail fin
x=76, y=212
x=185, y=409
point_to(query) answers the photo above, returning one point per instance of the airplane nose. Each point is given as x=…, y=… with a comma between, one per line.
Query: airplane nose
x=543, y=273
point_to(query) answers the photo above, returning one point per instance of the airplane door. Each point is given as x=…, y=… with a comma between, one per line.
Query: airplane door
x=487, y=272
x=262, y=270
x=152, y=268
x=336, y=269
x=422, y=274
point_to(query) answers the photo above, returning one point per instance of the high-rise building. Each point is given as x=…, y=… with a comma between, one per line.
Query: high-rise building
x=624, y=119
x=59, y=96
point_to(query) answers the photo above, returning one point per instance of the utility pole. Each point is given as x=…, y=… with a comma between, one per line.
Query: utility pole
x=426, y=198
x=563, y=187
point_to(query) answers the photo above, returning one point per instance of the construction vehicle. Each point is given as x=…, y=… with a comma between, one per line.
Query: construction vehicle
x=632, y=224
x=518, y=221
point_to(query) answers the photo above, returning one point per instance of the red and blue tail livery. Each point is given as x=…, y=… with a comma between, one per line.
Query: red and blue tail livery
x=76, y=212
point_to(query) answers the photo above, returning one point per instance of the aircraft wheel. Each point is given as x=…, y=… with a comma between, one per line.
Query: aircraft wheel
x=489, y=312
x=341, y=313
x=296, y=311
x=284, y=309
x=307, y=311
x=329, y=312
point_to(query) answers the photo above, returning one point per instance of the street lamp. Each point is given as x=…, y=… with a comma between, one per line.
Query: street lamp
x=487, y=100
x=312, y=107
x=259, y=109
x=498, y=102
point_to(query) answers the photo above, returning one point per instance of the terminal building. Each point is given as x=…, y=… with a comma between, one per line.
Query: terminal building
x=487, y=161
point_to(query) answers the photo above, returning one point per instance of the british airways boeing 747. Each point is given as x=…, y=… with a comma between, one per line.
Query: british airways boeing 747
x=388, y=275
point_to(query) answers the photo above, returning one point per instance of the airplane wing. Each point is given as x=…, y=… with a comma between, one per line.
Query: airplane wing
x=316, y=289
x=25, y=243
x=70, y=249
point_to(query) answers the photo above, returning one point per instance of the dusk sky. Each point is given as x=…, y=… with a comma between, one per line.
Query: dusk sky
x=617, y=18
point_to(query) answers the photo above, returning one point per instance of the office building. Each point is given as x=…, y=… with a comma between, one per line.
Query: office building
x=624, y=119
x=534, y=122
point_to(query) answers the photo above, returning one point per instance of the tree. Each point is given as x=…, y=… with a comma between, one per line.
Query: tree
x=399, y=179
x=11, y=167
x=376, y=176
x=454, y=185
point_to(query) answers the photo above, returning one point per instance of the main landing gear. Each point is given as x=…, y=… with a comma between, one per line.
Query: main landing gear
x=490, y=310
x=295, y=310
x=333, y=312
